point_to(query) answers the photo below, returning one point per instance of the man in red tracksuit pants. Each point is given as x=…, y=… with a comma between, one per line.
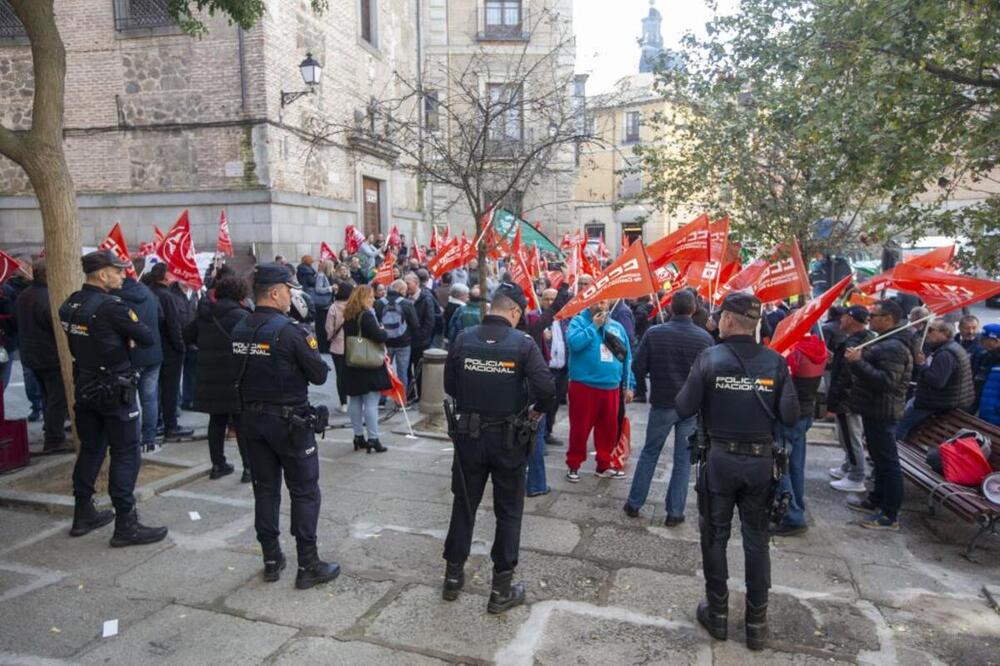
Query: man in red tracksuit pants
x=600, y=366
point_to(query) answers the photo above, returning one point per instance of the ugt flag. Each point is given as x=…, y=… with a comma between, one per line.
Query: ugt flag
x=177, y=251
x=116, y=243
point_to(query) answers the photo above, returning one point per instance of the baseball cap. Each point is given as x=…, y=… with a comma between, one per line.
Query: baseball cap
x=740, y=303
x=991, y=331
x=95, y=261
x=513, y=292
x=858, y=313
x=269, y=273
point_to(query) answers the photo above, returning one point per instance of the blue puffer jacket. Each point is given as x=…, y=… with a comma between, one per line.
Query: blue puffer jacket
x=590, y=362
x=989, y=401
x=147, y=307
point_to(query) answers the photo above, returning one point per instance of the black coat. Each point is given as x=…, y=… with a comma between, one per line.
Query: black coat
x=187, y=308
x=34, y=324
x=218, y=368
x=666, y=354
x=147, y=307
x=425, y=307
x=881, y=377
x=841, y=378
x=172, y=325
x=358, y=381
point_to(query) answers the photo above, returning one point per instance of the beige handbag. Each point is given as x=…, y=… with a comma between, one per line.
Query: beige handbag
x=360, y=352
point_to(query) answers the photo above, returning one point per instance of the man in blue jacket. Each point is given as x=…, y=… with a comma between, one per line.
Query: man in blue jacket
x=146, y=360
x=600, y=368
x=987, y=375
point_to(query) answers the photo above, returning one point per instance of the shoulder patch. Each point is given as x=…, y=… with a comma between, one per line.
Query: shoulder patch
x=311, y=339
x=132, y=315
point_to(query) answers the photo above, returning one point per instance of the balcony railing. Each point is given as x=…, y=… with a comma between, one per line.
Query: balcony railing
x=502, y=23
x=142, y=14
x=10, y=25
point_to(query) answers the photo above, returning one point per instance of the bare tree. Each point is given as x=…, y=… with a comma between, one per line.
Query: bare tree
x=489, y=125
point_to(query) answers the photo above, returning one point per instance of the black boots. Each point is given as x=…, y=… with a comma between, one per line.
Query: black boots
x=504, y=596
x=274, y=563
x=376, y=446
x=219, y=471
x=756, y=626
x=312, y=570
x=359, y=442
x=86, y=518
x=713, y=614
x=130, y=532
x=454, y=580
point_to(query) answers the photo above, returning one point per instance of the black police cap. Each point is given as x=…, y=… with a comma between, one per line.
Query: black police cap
x=269, y=273
x=95, y=261
x=513, y=292
x=741, y=303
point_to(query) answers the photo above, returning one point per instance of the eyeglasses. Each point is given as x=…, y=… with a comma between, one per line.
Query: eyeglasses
x=879, y=314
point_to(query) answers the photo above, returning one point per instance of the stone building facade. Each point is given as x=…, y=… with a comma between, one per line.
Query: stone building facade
x=158, y=121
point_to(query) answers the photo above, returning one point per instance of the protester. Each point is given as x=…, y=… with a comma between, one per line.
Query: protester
x=322, y=295
x=363, y=385
x=943, y=384
x=559, y=368
x=219, y=370
x=968, y=337
x=987, y=375
x=849, y=476
x=306, y=274
x=881, y=372
x=187, y=299
x=666, y=353
x=596, y=378
x=622, y=314
x=335, y=334
x=466, y=316
x=172, y=341
x=146, y=360
x=424, y=304
x=399, y=319
x=458, y=296
x=443, y=291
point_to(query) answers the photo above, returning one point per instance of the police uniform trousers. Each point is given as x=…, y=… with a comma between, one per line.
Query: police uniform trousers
x=272, y=447
x=101, y=431
x=487, y=457
x=735, y=481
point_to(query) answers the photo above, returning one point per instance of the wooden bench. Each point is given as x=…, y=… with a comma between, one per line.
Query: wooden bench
x=966, y=502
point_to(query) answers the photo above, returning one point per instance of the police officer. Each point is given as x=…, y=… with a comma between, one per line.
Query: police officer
x=741, y=390
x=493, y=371
x=279, y=360
x=101, y=329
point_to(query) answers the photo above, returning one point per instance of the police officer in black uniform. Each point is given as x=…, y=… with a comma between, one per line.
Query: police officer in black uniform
x=741, y=390
x=493, y=372
x=279, y=361
x=101, y=329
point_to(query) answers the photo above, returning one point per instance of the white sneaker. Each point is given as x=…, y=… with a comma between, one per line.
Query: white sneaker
x=848, y=486
x=342, y=409
x=837, y=473
x=611, y=473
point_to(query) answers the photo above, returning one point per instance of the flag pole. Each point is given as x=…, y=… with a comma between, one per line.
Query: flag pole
x=409, y=426
x=896, y=330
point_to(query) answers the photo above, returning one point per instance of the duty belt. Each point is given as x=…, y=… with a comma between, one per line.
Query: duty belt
x=753, y=449
x=274, y=409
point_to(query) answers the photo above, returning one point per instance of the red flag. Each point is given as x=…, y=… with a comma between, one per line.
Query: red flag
x=177, y=251
x=689, y=243
x=792, y=328
x=435, y=242
x=516, y=245
x=519, y=273
x=116, y=243
x=935, y=259
x=225, y=244
x=629, y=276
x=602, y=249
x=158, y=236
x=393, y=240
x=353, y=238
x=396, y=391
x=8, y=266
x=781, y=275
x=573, y=266
x=384, y=274
x=675, y=285
x=448, y=258
x=445, y=236
x=419, y=254
x=535, y=262
x=565, y=243
x=942, y=292
x=146, y=249
x=624, y=242
x=555, y=278
x=325, y=253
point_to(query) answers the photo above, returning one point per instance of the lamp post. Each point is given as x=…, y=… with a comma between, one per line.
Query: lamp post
x=311, y=71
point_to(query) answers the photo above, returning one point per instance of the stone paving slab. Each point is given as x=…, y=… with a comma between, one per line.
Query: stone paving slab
x=323, y=651
x=643, y=548
x=550, y=577
x=191, y=576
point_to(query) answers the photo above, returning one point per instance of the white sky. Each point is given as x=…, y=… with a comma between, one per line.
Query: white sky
x=607, y=30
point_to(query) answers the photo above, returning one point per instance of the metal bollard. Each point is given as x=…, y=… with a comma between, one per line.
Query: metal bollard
x=432, y=382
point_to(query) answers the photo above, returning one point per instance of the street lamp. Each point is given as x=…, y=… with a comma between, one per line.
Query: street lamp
x=311, y=71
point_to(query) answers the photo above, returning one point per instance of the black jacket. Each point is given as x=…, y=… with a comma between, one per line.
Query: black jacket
x=425, y=309
x=359, y=381
x=838, y=393
x=946, y=383
x=34, y=325
x=186, y=307
x=409, y=316
x=147, y=306
x=881, y=377
x=218, y=368
x=666, y=353
x=172, y=324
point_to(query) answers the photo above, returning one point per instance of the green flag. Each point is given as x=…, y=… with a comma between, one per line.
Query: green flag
x=506, y=224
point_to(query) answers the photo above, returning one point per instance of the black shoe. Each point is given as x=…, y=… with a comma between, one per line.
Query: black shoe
x=540, y=493
x=862, y=504
x=504, y=596
x=713, y=614
x=312, y=570
x=376, y=446
x=219, y=471
x=788, y=530
x=177, y=433
x=641, y=399
x=54, y=448
x=553, y=441
x=35, y=415
x=673, y=521
x=274, y=564
x=756, y=626
x=86, y=518
x=359, y=442
x=187, y=406
x=630, y=510
x=454, y=580
x=130, y=532
x=246, y=478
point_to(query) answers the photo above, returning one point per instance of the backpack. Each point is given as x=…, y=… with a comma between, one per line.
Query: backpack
x=393, y=320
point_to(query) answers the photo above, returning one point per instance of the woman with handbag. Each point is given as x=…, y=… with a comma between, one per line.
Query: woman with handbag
x=365, y=374
x=335, y=334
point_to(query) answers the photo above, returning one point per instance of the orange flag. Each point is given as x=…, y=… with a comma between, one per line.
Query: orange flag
x=781, y=275
x=792, y=328
x=629, y=276
x=942, y=292
x=397, y=392
x=384, y=274
x=448, y=258
x=689, y=243
x=935, y=259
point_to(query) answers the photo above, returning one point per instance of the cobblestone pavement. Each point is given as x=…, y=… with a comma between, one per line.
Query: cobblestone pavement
x=602, y=588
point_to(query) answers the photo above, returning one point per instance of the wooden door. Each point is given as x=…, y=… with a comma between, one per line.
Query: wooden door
x=373, y=205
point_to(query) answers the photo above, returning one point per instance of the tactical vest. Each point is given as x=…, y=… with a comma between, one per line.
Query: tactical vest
x=958, y=393
x=264, y=375
x=733, y=412
x=491, y=379
x=92, y=353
